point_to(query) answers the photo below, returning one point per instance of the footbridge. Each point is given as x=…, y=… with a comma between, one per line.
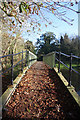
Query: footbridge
x=39, y=90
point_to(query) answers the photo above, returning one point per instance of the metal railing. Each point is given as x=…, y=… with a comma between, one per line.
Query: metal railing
x=71, y=56
x=11, y=62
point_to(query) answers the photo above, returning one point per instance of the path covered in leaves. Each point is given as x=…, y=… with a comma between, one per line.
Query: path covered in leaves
x=41, y=95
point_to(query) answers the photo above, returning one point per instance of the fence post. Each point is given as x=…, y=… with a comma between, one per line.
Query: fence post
x=26, y=58
x=22, y=62
x=59, y=62
x=70, y=70
x=12, y=68
x=55, y=59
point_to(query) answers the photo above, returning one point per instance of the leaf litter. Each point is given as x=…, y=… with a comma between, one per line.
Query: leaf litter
x=40, y=95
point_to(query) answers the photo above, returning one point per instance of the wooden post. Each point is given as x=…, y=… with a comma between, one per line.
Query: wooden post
x=12, y=68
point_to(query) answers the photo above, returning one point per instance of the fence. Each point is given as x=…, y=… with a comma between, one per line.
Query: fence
x=71, y=56
x=52, y=57
x=29, y=58
x=49, y=59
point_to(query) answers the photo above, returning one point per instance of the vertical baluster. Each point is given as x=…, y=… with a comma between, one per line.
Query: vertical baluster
x=55, y=59
x=70, y=70
x=22, y=62
x=26, y=58
x=12, y=68
x=59, y=62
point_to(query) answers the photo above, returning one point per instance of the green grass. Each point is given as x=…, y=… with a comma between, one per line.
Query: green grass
x=75, y=78
x=74, y=66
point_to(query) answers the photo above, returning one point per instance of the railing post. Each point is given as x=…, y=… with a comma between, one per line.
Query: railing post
x=55, y=59
x=22, y=62
x=12, y=68
x=26, y=58
x=59, y=62
x=70, y=70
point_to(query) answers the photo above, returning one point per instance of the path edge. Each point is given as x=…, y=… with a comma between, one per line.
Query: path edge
x=11, y=89
x=4, y=99
x=71, y=89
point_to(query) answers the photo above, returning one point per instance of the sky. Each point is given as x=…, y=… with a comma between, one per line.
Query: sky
x=58, y=27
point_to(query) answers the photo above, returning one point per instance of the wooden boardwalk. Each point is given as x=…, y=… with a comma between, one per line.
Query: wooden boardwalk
x=41, y=95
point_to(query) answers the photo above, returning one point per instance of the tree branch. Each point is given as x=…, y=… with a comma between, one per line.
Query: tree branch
x=67, y=7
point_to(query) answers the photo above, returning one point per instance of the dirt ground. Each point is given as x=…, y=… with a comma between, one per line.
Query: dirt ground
x=41, y=95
